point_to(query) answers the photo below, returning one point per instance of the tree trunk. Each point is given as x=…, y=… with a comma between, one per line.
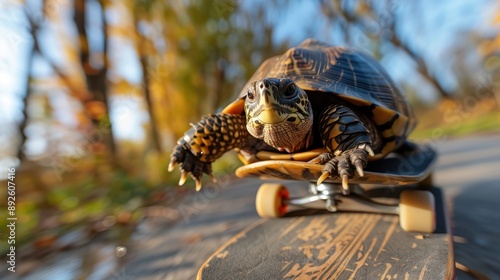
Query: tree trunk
x=142, y=50
x=155, y=135
x=29, y=63
x=97, y=106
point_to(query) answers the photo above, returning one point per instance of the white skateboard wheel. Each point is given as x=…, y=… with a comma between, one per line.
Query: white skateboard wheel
x=270, y=200
x=417, y=211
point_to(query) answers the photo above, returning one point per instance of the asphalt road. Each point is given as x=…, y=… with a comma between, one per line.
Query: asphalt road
x=468, y=170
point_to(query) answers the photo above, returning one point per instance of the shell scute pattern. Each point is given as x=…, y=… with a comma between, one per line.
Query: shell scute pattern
x=347, y=74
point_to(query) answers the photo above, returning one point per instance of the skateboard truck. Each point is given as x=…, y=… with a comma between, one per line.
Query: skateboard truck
x=415, y=206
x=397, y=184
x=332, y=197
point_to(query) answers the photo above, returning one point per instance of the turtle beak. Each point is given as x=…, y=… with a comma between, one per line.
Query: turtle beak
x=270, y=116
x=268, y=113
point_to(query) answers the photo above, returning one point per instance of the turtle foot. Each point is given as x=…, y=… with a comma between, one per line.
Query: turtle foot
x=190, y=164
x=343, y=165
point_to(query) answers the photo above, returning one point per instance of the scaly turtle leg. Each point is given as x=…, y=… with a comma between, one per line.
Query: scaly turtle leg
x=207, y=141
x=348, y=141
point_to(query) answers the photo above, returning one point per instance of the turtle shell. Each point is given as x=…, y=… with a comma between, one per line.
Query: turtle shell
x=347, y=73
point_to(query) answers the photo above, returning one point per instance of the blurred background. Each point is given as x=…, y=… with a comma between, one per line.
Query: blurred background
x=95, y=93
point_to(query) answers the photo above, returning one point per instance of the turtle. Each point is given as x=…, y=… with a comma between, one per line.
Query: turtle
x=313, y=96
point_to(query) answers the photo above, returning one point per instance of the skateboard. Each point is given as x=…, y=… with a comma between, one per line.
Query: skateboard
x=392, y=223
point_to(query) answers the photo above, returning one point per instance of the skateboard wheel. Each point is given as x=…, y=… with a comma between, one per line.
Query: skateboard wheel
x=270, y=200
x=417, y=211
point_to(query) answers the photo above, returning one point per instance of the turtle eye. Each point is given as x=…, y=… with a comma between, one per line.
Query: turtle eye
x=250, y=96
x=289, y=90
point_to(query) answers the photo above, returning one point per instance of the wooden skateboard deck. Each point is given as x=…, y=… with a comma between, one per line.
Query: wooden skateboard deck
x=409, y=167
x=315, y=245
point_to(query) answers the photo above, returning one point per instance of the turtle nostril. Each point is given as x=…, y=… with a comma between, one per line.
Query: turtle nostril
x=264, y=84
x=291, y=119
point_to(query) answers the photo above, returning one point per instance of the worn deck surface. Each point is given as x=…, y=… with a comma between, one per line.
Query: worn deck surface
x=333, y=246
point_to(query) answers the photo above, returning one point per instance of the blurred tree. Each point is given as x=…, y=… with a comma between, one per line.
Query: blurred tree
x=145, y=50
x=200, y=54
x=155, y=134
x=489, y=48
x=36, y=22
x=376, y=20
x=491, y=44
x=33, y=29
x=95, y=67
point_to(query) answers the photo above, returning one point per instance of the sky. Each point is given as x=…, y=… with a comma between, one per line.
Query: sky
x=432, y=34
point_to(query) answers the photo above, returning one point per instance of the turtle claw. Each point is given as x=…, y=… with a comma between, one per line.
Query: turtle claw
x=183, y=178
x=323, y=177
x=359, y=167
x=322, y=158
x=345, y=184
x=198, y=184
x=367, y=148
x=172, y=164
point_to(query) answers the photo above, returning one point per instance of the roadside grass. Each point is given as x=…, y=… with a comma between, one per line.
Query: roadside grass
x=488, y=122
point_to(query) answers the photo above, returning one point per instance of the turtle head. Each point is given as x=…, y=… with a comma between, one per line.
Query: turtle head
x=279, y=112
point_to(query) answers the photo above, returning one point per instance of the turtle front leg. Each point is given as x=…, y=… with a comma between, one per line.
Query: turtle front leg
x=205, y=142
x=348, y=141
